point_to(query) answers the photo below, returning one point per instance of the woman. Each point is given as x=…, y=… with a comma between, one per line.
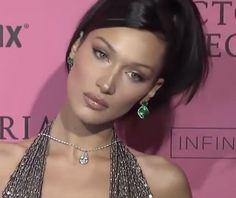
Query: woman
x=123, y=54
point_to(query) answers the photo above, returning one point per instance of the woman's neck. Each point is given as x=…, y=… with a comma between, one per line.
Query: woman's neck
x=69, y=128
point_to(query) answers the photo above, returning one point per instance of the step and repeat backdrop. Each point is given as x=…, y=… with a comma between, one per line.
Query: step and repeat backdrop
x=199, y=137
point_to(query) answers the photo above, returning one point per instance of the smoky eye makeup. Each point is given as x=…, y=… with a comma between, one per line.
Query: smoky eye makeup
x=134, y=73
x=100, y=53
x=135, y=76
x=141, y=72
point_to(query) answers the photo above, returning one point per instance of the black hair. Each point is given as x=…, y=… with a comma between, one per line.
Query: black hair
x=185, y=65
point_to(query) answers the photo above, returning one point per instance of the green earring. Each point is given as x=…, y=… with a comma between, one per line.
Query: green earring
x=143, y=111
x=70, y=62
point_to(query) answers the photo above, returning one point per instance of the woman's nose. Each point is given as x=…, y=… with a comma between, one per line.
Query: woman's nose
x=106, y=84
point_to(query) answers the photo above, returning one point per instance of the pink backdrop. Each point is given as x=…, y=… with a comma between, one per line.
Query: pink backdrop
x=33, y=39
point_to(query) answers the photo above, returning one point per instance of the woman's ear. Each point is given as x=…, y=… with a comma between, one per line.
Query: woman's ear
x=76, y=45
x=157, y=85
x=70, y=58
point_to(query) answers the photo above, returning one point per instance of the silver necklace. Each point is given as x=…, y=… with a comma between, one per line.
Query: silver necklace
x=84, y=158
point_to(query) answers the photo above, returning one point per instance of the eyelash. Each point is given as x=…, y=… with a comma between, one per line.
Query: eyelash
x=98, y=54
x=140, y=78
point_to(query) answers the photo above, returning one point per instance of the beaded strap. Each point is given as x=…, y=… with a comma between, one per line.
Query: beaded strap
x=127, y=179
x=27, y=179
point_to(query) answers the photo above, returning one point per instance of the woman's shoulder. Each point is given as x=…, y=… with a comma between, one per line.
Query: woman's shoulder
x=11, y=152
x=165, y=178
x=10, y=155
x=14, y=148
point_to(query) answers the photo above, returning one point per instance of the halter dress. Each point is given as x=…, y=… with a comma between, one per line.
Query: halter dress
x=126, y=179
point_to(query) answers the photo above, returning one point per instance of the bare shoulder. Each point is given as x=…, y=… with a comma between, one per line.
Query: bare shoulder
x=10, y=155
x=166, y=179
x=9, y=149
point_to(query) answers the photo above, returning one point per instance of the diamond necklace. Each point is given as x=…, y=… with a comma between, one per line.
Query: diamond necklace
x=84, y=158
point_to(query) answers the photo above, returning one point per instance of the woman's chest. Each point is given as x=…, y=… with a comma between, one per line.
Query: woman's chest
x=76, y=181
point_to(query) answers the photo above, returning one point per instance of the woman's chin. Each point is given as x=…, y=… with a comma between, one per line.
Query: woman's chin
x=92, y=118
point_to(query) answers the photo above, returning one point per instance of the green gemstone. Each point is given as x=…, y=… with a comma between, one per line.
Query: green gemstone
x=143, y=110
x=70, y=61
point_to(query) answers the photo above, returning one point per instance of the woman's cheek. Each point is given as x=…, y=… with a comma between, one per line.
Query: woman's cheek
x=87, y=65
x=132, y=97
x=126, y=101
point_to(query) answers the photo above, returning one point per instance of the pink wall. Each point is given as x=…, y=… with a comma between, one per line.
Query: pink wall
x=33, y=77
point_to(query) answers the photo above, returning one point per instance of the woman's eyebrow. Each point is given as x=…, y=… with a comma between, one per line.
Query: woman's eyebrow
x=144, y=66
x=107, y=43
x=112, y=49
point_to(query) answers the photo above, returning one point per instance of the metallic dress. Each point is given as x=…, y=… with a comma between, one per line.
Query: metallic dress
x=126, y=177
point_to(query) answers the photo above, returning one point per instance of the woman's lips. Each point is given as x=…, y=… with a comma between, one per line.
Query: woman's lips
x=95, y=103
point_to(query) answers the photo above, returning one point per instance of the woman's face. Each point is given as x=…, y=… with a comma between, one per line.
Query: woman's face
x=118, y=66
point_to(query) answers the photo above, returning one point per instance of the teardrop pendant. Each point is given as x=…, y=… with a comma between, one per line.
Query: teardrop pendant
x=84, y=158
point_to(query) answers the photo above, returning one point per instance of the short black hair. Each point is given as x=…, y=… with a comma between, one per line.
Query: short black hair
x=185, y=64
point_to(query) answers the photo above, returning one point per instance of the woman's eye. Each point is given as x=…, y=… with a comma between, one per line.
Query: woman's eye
x=100, y=54
x=135, y=76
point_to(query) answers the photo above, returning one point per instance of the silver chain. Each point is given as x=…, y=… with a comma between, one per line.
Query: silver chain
x=76, y=146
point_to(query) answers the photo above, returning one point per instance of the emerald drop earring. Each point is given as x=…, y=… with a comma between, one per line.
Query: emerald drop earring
x=70, y=62
x=143, y=111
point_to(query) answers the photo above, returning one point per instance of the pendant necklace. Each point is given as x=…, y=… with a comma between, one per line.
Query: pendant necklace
x=84, y=158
